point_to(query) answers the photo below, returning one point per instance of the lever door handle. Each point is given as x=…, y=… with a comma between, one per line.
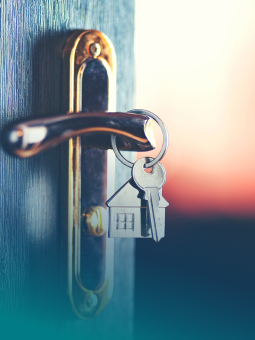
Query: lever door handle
x=29, y=137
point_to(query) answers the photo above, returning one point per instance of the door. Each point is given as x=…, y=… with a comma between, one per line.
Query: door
x=33, y=297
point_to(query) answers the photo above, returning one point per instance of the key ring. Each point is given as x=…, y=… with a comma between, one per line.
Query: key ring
x=164, y=146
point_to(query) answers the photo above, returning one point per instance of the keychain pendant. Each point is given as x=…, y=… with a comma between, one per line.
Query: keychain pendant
x=129, y=215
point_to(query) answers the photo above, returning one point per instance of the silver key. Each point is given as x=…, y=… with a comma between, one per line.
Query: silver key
x=151, y=183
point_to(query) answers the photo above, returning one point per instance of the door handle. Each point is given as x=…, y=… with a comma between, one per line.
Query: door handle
x=27, y=138
x=87, y=168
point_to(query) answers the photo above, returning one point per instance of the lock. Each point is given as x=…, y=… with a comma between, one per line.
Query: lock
x=88, y=163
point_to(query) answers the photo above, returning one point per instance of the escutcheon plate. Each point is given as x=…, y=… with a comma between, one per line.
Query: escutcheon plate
x=89, y=63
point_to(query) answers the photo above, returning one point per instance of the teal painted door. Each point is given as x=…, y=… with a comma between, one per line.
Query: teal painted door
x=33, y=299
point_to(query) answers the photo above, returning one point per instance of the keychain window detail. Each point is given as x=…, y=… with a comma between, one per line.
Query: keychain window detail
x=125, y=221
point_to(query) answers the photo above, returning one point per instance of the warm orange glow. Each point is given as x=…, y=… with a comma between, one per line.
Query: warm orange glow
x=201, y=82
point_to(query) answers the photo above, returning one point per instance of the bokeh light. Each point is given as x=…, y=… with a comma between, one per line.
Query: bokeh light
x=195, y=68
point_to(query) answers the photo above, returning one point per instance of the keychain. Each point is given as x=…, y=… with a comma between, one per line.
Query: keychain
x=137, y=209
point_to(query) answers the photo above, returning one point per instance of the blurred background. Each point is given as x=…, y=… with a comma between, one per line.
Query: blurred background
x=195, y=68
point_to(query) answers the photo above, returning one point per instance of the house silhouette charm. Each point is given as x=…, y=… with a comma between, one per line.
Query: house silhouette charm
x=128, y=212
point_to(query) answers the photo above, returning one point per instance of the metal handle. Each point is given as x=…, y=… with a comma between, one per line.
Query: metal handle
x=27, y=138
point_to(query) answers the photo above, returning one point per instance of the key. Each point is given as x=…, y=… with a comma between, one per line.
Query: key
x=151, y=183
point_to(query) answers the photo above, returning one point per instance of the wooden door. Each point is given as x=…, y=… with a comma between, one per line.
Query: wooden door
x=32, y=294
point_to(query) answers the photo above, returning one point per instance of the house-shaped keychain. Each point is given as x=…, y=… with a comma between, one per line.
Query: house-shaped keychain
x=128, y=212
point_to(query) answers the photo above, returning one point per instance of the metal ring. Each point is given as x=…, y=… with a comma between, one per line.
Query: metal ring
x=164, y=146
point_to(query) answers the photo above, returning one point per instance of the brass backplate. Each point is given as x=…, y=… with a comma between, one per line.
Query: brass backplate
x=82, y=49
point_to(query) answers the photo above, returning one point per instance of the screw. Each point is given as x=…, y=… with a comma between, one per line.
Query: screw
x=92, y=300
x=95, y=49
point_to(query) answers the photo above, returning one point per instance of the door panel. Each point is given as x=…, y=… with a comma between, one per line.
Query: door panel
x=33, y=299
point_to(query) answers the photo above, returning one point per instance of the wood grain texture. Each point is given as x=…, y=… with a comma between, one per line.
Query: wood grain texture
x=33, y=34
